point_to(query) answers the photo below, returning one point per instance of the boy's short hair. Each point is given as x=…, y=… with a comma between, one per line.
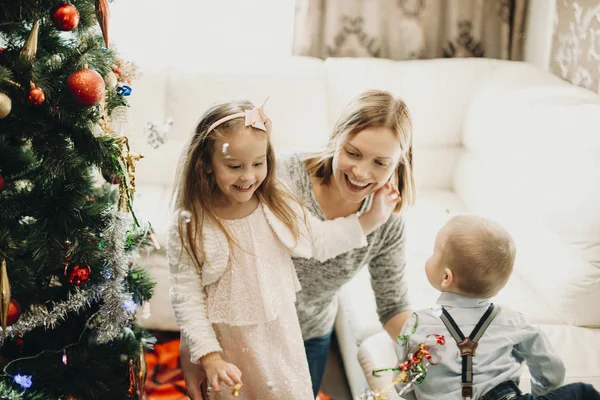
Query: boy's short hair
x=480, y=253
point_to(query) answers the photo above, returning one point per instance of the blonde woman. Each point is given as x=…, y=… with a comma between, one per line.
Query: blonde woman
x=371, y=146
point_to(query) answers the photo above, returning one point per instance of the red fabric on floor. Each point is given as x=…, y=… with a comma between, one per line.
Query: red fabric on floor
x=165, y=379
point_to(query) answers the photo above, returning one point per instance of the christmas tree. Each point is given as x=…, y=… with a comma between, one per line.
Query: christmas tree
x=69, y=241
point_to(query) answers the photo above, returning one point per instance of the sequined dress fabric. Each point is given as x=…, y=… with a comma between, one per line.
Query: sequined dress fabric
x=256, y=296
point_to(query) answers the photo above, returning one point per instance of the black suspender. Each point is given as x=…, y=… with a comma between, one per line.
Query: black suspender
x=467, y=346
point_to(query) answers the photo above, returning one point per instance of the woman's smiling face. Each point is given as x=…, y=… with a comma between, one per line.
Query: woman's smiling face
x=365, y=162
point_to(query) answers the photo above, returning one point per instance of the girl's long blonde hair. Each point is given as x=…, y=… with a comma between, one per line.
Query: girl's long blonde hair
x=197, y=192
x=371, y=109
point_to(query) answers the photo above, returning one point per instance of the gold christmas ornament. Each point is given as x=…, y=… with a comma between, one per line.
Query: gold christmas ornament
x=30, y=48
x=5, y=105
x=4, y=295
x=140, y=370
x=111, y=79
x=127, y=164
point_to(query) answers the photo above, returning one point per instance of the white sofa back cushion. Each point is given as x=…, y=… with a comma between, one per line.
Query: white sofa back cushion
x=523, y=114
x=297, y=106
x=438, y=95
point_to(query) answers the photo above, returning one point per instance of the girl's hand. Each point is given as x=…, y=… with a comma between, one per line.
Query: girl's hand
x=384, y=202
x=219, y=371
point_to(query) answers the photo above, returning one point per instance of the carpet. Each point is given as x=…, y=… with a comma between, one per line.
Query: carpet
x=165, y=379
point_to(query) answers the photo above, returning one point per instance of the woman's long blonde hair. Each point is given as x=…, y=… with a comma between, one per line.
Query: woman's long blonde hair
x=197, y=192
x=371, y=109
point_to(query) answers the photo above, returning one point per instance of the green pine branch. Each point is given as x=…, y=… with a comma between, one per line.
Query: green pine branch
x=140, y=284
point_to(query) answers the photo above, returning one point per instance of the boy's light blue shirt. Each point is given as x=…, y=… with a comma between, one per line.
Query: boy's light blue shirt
x=507, y=343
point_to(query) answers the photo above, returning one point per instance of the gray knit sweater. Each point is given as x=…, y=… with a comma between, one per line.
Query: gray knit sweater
x=384, y=254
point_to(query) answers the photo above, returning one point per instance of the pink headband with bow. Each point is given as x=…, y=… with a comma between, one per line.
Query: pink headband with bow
x=255, y=118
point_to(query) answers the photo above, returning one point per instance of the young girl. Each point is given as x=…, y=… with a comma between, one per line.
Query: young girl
x=229, y=250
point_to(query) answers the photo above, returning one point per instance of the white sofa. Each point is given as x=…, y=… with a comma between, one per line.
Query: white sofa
x=502, y=139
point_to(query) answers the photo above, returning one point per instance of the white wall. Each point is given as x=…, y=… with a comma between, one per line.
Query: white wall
x=539, y=29
x=200, y=33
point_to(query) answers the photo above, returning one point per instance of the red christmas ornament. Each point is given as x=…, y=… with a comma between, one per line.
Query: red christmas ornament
x=77, y=275
x=65, y=17
x=86, y=86
x=14, y=312
x=1, y=183
x=36, y=95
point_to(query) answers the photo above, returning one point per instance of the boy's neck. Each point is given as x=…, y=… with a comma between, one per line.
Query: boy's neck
x=460, y=293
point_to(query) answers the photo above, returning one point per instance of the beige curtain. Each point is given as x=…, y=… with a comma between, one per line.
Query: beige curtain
x=409, y=29
x=576, y=44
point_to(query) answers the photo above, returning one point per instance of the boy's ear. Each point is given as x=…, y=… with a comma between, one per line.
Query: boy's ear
x=448, y=278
